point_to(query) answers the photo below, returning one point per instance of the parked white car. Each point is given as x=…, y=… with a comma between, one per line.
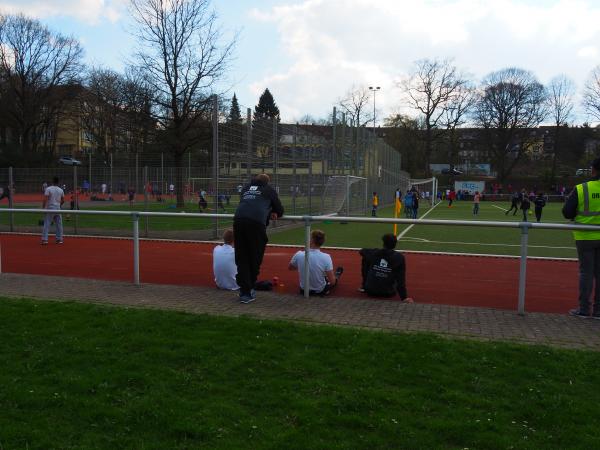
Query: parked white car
x=69, y=161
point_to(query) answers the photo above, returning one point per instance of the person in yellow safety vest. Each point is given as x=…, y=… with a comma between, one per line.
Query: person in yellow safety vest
x=583, y=206
x=375, y=205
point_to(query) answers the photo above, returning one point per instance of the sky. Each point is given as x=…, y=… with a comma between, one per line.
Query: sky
x=310, y=53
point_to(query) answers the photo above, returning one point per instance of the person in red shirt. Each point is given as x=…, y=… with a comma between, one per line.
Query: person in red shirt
x=451, y=197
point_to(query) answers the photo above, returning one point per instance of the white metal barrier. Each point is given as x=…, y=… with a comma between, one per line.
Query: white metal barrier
x=308, y=220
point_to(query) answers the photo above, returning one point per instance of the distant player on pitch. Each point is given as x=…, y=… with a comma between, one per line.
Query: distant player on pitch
x=54, y=197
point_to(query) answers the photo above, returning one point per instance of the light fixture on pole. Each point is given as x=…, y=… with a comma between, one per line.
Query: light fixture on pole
x=374, y=89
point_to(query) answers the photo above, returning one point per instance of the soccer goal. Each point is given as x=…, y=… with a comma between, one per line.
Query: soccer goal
x=345, y=195
x=427, y=189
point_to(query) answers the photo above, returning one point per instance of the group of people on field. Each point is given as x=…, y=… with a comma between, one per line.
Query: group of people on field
x=520, y=200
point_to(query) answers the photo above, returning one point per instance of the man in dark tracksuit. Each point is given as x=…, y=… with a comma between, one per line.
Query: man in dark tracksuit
x=384, y=270
x=583, y=206
x=539, y=203
x=514, y=203
x=258, y=203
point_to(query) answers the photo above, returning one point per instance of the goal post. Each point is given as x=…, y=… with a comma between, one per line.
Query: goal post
x=426, y=189
x=344, y=194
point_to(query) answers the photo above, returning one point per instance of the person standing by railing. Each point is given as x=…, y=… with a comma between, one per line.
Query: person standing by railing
x=259, y=202
x=583, y=206
x=54, y=197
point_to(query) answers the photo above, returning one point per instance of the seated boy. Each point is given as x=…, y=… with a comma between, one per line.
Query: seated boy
x=322, y=279
x=224, y=266
x=384, y=270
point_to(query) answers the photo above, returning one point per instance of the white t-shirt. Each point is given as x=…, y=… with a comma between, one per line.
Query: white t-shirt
x=319, y=263
x=224, y=267
x=54, y=195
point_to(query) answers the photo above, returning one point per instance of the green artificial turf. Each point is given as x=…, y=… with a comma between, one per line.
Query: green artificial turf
x=550, y=243
x=84, y=376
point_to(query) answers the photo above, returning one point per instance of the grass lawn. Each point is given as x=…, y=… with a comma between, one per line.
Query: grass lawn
x=85, y=376
x=452, y=239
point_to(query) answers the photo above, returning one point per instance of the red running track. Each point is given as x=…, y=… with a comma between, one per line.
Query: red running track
x=440, y=279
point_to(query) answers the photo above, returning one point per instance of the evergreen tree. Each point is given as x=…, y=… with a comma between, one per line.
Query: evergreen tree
x=266, y=108
x=235, y=115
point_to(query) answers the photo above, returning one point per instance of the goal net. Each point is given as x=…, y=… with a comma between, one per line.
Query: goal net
x=344, y=195
x=426, y=189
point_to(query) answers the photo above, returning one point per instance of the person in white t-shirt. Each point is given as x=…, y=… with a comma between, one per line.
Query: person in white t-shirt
x=224, y=266
x=322, y=279
x=54, y=197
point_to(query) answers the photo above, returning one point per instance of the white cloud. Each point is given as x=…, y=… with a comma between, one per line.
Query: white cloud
x=329, y=45
x=89, y=11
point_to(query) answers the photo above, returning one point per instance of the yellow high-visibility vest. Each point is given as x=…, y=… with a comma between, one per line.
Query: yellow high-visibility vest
x=588, y=210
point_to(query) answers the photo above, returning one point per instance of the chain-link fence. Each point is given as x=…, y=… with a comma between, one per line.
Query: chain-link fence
x=302, y=160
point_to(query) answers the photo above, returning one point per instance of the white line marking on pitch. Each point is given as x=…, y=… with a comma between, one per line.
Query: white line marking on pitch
x=427, y=241
x=422, y=217
x=499, y=207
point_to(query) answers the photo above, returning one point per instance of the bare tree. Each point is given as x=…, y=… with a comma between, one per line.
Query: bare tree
x=102, y=103
x=356, y=104
x=181, y=57
x=429, y=88
x=34, y=64
x=456, y=113
x=560, y=97
x=510, y=101
x=591, y=95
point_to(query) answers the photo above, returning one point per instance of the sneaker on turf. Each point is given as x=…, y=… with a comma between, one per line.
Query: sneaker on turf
x=59, y=242
x=246, y=298
x=578, y=313
x=361, y=290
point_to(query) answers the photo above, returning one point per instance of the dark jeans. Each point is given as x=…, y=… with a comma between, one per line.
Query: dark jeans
x=250, y=242
x=525, y=215
x=538, y=214
x=588, y=253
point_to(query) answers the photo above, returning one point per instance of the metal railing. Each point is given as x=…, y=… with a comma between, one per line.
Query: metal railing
x=308, y=220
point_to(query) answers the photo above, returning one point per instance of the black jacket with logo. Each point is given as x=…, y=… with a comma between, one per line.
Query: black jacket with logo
x=257, y=201
x=385, y=272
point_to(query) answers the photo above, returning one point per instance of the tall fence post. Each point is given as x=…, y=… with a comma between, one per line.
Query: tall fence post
x=137, y=172
x=91, y=188
x=75, y=199
x=310, y=173
x=294, y=175
x=215, y=148
x=275, y=155
x=306, y=257
x=334, y=142
x=249, y=144
x=146, y=181
x=11, y=191
x=112, y=190
x=136, y=248
x=347, y=195
x=523, y=266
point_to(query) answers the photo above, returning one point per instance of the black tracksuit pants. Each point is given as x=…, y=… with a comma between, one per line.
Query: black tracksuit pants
x=250, y=242
x=514, y=205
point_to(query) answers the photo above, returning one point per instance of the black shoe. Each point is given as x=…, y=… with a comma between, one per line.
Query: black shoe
x=361, y=290
x=339, y=271
x=578, y=313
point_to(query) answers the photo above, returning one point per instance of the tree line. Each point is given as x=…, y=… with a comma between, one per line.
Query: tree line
x=503, y=107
